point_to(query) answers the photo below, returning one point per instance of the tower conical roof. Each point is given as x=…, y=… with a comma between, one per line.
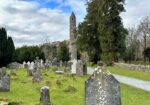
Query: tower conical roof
x=72, y=14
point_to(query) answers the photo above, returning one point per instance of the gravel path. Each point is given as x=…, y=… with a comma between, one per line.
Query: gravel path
x=141, y=84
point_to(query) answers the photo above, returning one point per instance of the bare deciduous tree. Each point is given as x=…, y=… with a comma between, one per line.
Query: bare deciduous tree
x=144, y=30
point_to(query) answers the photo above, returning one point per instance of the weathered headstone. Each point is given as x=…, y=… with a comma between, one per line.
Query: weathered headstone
x=47, y=64
x=74, y=66
x=13, y=72
x=79, y=70
x=45, y=97
x=84, y=68
x=37, y=77
x=4, y=81
x=41, y=63
x=14, y=65
x=23, y=65
x=3, y=72
x=30, y=69
x=61, y=63
x=55, y=62
x=28, y=63
x=102, y=89
x=37, y=63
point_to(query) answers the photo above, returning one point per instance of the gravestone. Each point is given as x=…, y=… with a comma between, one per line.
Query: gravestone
x=30, y=69
x=2, y=72
x=55, y=62
x=61, y=63
x=79, y=70
x=23, y=65
x=47, y=64
x=4, y=81
x=41, y=63
x=74, y=66
x=84, y=68
x=14, y=65
x=69, y=63
x=13, y=72
x=37, y=77
x=37, y=63
x=45, y=97
x=102, y=89
x=28, y=63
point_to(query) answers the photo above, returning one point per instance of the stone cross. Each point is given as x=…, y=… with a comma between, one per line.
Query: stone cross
x=37, y=63
x=45, y=97
x=102, y=89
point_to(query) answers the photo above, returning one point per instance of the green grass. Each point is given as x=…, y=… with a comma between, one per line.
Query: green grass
x=130, y=73
x=140, y=62
x=23, y=90
x=133, y=96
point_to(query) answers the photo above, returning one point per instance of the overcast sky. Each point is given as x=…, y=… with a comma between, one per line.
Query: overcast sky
x=33, y=22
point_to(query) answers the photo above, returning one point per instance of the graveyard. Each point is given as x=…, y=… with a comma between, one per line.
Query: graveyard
x=64, y=90
x=74, y=52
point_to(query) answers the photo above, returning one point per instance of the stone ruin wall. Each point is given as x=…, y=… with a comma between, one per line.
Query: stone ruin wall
x=145, y=68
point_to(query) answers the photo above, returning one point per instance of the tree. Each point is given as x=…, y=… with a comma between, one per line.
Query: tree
x=147, y=53
x=112, y=33
x=144, y=30
x=63, y=52
x=132, y=44
x=28, y=53
x=88, y=40
x=10, y=49
x=6, y=48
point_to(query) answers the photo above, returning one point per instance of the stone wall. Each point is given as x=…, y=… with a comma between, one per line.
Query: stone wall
x=145, y=68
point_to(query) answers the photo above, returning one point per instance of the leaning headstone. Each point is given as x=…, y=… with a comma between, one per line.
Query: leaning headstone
x=4, y=81
x=37, y=77
x=79, y=71
x=45, y=97
x=102, y=89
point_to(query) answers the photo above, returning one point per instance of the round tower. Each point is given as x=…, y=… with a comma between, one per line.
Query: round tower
x=73, y=48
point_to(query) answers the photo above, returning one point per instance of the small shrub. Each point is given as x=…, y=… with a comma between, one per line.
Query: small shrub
x=48, y=83
x=58, y=82
x=15, y=103
x=70, y=89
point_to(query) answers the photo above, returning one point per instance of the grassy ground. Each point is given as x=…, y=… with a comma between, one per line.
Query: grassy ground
x=65, y=90
x=130, y=73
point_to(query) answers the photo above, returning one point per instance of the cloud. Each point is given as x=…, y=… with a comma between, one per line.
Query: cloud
x=135, y=11
x=30, y=24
